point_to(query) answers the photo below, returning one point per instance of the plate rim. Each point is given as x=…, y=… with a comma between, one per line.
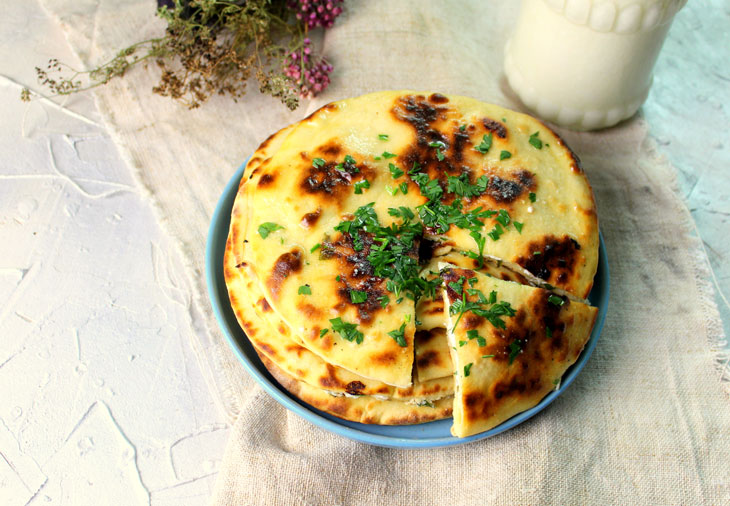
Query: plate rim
x=340, y=427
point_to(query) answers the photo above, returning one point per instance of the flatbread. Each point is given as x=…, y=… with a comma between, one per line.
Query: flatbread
x=517, y=365
x=363, y=408
x=341, y=220
x=271, y=337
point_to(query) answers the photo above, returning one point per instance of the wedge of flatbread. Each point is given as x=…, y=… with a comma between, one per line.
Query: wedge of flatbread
x=510, y=345
x=271, y=337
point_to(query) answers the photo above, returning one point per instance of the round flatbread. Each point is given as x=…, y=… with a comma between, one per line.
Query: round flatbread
x=341, y=220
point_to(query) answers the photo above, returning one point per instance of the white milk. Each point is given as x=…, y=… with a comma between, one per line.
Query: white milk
x=586, y=64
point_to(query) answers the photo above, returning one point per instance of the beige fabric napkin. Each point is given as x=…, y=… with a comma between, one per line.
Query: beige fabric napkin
x=648, y=419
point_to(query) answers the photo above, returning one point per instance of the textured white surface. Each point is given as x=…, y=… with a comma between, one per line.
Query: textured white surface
x=103, y=401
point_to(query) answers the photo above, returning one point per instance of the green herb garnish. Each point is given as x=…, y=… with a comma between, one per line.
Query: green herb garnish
x=399, y=336
x=266, y=228
x=304, y=290
x=515, y=347
x=548, y=332
x=534, y=141
x=348, y=331
x=555, y=300
x=504, y=155
x=518, y=226
x=315, y=247
x=503, y=218
x=496, y=232
x=359, y=185
x=323, y=332
x=395, y=172
x=486, y=143
x=533, y=197
x=383, y=137
x=467, y=369
x=384, y=300
x=387, y=155
x=358, y=297
x=317, y=162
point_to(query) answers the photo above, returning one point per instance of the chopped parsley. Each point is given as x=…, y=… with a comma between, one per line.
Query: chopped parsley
x=317, y=163
x=480, y=240
x=461, y=186
x=399, y=336
x=504, y=155
x=315, y=247
x=395, y=171
x=439, y=147
x=467, y=369
x=358, y=297
x=462, y=128
x=387, y=155
x=384, y=300
x=474, y=334
x=534, y=141
x=360, y=185
x=503, y=218
x=305, y=290
x=323, y=332
x=496, y=232
x=392, y=191
x=555, y=300
x=548, y=332
x=486, y=143
x=349, y=165
x=338, y=278
x=518, y=226
x=487, y=356
x=457, y=286
x=493, y=314
x=266, y=228
x=348, y=331
x=401, y=212
x=403, y=188
x=515, y=347
x=533, y=197
x=383, y=137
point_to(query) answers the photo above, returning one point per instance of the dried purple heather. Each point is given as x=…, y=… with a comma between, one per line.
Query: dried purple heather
x=317, y=12
x=214, y=46
x=309, y=75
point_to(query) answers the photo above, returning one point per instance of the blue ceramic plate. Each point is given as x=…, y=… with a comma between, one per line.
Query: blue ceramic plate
x=426, y=435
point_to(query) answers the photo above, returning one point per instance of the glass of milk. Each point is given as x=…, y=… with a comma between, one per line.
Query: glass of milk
x=586, y=64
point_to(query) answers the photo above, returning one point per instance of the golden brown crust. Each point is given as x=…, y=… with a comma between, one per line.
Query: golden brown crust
x=361, y=408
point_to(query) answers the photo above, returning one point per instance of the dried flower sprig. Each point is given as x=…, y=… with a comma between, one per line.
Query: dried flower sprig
x=214, y=46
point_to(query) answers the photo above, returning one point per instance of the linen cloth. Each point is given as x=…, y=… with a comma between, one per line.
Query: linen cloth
x=648, y=419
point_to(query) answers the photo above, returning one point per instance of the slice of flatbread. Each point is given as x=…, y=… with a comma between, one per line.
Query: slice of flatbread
x=510, y=345
x=362, y=408
x=271, y=337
